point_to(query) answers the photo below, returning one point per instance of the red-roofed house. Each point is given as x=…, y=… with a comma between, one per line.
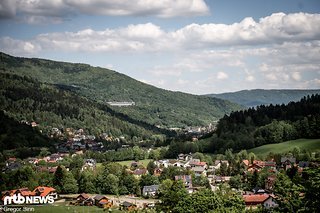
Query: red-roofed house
x=44, y=191
x=253, y=200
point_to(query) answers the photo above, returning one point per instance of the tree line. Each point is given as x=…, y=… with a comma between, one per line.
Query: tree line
x=254, y=127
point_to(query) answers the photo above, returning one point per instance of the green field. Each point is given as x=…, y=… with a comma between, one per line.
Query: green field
x=307, y=144
x=128, y=162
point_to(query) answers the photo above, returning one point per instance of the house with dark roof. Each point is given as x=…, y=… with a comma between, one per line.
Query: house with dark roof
x=102, y=201
x=150, y=191
x=84, y=199
x=127, y=206
x=287, y=162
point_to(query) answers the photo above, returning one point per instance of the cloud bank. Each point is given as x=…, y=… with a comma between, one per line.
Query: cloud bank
x=40, y=11
x=278, y=48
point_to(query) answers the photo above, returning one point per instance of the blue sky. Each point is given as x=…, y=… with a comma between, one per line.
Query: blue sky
x=194, y=46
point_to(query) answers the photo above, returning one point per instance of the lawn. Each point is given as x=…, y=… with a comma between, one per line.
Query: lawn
x=128, y=162
x=307, y=144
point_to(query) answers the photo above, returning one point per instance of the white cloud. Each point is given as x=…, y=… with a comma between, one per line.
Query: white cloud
x=160, y=8
x=33, y=11
x=296, y=76
x=222, y=75
x=250, y=78
x=277, y=28
x=271, y=30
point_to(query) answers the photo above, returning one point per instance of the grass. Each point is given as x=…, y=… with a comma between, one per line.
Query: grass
x=128, y=162
x=307, y=144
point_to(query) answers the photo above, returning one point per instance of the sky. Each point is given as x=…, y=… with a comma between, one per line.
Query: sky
x=193, y=46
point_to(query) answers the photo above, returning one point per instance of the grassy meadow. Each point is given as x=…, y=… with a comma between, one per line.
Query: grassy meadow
x=307, y=144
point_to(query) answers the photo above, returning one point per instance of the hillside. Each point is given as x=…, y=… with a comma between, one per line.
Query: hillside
x=256, y=97
x=22, y=140
x=254, y=127
x=24, y=98
x=303, y=144
x=153, y=105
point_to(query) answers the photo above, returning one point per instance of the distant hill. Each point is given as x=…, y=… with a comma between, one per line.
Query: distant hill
x=152, y=105
x=24, y=98
x=256, y=97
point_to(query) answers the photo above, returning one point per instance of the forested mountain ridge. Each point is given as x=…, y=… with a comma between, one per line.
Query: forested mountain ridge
x=254, y=127
x=21, y=138
x=24, y=98
x=256, y=97
x=153, y=105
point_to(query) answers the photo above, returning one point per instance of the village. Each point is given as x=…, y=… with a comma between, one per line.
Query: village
x=194, y=168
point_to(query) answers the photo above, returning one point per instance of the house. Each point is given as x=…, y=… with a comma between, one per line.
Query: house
x=270, y=182
x=187, y=180
x=286, y=162
x=178, y=164
x=44, y=191
x=221, y=179
x=254, y=167
x=90, y=164
x=218, y=163
x=127, y=206
x=246, y=163
x=162, y=163
x=198, y=171
x=196, y=162
x=157, y=172
x=32, y=160
x=150, y=191
x=184, y=157
x=22, y=191
x=258, y=190
x=34, y=124
x=85, y=200
x=139, y=172
x=102, y=201
x=211, y=170
x=253, y=200
x=270, y=164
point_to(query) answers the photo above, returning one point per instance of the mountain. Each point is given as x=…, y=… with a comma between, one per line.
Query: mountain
x=26, y=99
x=256, y=97
x=20, y=139
x=152, y=105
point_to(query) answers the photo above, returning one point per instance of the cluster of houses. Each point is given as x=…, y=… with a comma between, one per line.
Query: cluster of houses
x=257, y=196
x=252, y=199
x=51, y=161
x=42, y=191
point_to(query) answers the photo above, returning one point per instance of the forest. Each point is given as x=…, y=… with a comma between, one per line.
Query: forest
x=258, y=126
x=26, y=99
x=154, y=106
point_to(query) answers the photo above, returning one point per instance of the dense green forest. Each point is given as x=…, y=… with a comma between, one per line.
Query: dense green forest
x=24, y=98
x=254, y=127
x=21, y=139
x=152, y=105
x=256, y=97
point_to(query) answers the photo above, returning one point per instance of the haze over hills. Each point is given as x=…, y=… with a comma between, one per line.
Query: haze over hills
x=153, y=105
x=256, y=97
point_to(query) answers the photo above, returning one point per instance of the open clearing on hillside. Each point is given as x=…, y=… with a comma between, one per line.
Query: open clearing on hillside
x=307, y=144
